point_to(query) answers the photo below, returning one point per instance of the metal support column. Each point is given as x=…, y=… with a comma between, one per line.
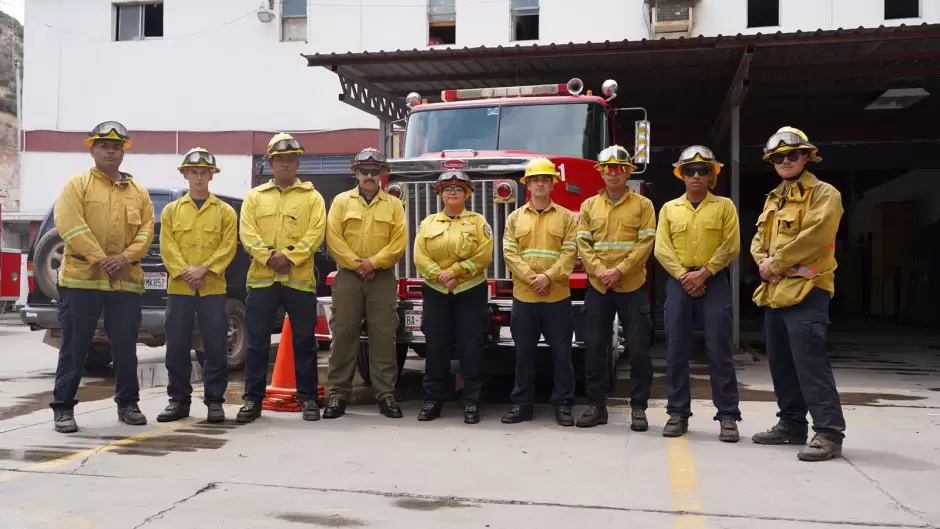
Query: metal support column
x=383, y=137
x=736, y=198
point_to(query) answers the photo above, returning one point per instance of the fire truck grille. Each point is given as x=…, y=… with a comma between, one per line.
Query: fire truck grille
x=421, y=201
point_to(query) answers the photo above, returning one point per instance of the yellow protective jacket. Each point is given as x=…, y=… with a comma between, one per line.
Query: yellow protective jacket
x=98, y=218
x=708, y=236
x=463, y=246
x=291, y=221
x=374, y=231
x=797, y=232
x=198, y=237
x=540, y=243
x=616, y=236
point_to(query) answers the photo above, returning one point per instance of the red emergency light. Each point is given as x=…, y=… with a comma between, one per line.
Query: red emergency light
x=571, y=88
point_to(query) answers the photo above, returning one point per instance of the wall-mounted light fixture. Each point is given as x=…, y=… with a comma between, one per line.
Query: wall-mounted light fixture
x=266, y=12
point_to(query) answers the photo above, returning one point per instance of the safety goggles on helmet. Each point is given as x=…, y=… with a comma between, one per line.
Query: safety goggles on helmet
x=109, y=130
x=696, y=153
x=614, y=155
x=286, y=145
x=785, y=139
x=453, y=178
x=199, y=158
x=370, y=156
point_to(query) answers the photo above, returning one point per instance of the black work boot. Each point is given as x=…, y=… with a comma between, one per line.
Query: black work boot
x=676, y=426
x=471, y=414
x=430, y=411
x=729, y=431
x=311, y=410
x=638, y=422
x=131, y=414
x=65, y=421
x=781, y=434
x=517, y=413
x=563, y=415
x=389, y=408
x=174, y=412
x=335, y=408
x=216, y=413
x=249, y=412
x=820, y=448
x=594, y=414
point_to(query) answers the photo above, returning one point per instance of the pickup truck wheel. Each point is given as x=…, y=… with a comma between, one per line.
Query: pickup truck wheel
x=50, y=252
x=362, y=362
x=99, y=356
x=236, y=341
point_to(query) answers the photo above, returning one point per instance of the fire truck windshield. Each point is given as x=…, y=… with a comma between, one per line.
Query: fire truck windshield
x=561, y=129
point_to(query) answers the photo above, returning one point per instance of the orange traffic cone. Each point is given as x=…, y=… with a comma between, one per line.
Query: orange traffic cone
x=281, y=395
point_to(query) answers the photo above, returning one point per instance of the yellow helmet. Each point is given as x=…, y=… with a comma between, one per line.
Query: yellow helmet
x=284, y=143
x=109, y=130
x=538, y=167
x=790, y=139
x=699, y=154
x=614, y=155
x=199, y=157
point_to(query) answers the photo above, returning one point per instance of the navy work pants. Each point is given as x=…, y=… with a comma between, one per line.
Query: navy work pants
x=181, y=315
x=682, y=314
x=634, y=311
x=79, y=310
x=529, y=322
x=454, y=322
x=799, y=365
x=260, y=313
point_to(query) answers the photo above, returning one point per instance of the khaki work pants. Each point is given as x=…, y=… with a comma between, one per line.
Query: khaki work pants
x=376, y=301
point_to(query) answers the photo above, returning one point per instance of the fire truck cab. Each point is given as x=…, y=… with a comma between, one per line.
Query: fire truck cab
x=491, y=134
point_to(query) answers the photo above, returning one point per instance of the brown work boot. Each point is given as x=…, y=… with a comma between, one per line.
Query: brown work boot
x=676, y=426
x=729, y=431
x=820, y=448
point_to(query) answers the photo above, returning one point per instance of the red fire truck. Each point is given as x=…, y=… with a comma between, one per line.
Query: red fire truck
x=491, y=134
x=10, y=264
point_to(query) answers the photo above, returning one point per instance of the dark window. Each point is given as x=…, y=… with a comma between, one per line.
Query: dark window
x=138, y=21
x=525, y=19
x=763, y=13
x=902, y=9
x=442, y=22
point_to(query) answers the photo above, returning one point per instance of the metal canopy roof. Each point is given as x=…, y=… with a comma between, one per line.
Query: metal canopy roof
x=819, y=81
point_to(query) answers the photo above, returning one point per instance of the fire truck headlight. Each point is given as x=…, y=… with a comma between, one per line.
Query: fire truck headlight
x=396, y=191
x=504, y=192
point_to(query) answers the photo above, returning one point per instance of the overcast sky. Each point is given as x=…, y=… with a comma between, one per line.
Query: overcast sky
x=14, y=8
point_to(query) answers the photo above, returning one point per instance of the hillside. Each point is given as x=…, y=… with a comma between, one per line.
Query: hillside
x=10, y=42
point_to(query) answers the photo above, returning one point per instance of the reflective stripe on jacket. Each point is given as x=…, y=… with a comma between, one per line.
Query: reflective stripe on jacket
x=291, y=221
x=616, y=236
x=198, y=237
x=540, y=243
x=374, y=231
x=463, y=246
x=98, y=218
x=708, y=236
x=797, y=231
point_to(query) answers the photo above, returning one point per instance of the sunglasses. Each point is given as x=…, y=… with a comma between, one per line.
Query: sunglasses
x=613, y=169
x=793, y=156
x=453, y=189
x=370, y=171
x=691, y=171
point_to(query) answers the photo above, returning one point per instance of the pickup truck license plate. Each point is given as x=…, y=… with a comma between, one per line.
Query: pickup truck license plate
x=155, y=280
x=413, y=320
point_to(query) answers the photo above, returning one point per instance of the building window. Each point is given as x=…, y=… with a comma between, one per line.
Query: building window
x=902, y=9
x=442, y=22
x=294, y=21
x=138, y=21
x=525, y=19
x=763, y=13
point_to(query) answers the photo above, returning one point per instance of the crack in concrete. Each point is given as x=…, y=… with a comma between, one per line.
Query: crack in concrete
x=897, y=503
x=209, y=486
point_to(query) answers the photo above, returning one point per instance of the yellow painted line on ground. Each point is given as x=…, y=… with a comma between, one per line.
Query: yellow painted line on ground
x=129, y=441
x=683, y=484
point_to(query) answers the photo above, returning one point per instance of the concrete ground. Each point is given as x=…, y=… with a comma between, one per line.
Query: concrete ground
x=364, y=470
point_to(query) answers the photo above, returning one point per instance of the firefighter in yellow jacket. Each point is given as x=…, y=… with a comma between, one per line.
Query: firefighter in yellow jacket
x=198, y=238
x=540, y=250
x=452, y=250
x=697, y=237
x=366, y=236
x=615, y=238
x=282, y=225
x=794, y=248
x=106, y=220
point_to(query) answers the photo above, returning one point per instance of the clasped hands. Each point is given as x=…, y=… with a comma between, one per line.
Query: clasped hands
x=694, y=282
x=766, y=273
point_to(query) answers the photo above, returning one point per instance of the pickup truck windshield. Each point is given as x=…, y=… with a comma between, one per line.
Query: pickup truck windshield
x=561, y=129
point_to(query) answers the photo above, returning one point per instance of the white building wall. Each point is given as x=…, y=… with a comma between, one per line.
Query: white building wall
x=50, y=171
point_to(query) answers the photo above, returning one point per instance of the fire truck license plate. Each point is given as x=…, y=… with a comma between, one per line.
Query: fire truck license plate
x=413, y=320
x=155, y=280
